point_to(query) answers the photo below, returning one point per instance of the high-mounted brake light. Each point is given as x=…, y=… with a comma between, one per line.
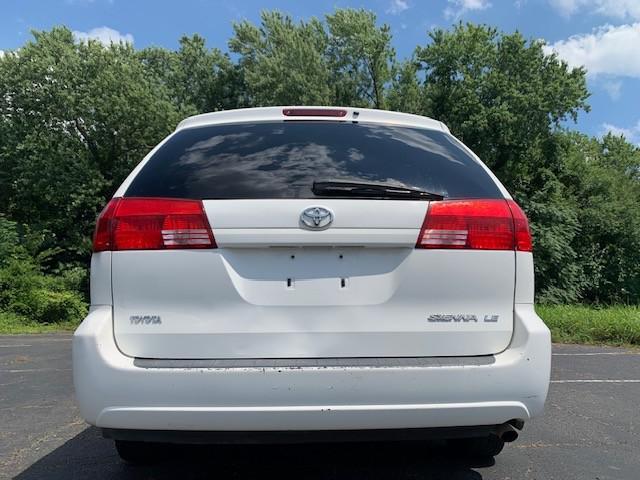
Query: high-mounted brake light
x=314, y=112
x=152, y=224
x=475, y=224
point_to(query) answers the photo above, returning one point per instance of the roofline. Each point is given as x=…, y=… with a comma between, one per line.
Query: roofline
x=264, y=114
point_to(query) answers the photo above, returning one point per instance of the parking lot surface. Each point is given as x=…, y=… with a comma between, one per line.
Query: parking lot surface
x=590, y=430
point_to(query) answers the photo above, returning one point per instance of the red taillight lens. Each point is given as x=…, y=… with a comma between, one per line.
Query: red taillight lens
x=475, y=224
x=524, y=242
x=314, y=112
x=152, y=224
x=102, y=234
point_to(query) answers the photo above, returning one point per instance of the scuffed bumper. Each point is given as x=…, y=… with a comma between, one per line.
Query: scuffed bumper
x=114, y=393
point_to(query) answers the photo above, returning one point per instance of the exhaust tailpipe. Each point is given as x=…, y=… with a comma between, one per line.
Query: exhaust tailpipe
x=507, y=433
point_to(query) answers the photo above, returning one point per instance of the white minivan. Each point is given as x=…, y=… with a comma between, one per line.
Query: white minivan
x=311, y=273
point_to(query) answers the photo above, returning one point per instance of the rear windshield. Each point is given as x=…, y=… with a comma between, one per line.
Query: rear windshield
x=283, y=159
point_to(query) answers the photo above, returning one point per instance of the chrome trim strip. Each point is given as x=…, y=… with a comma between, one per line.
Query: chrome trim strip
x=380, y=362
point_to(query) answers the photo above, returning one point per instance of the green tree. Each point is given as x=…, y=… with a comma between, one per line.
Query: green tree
x=361, y=57
x=405, y=93
x=284, y=63
x=76, y=118
x=499, y=93
x=602, y=176
x=197, y=78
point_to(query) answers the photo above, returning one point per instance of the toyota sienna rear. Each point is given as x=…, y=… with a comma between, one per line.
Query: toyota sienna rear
x=295, y=273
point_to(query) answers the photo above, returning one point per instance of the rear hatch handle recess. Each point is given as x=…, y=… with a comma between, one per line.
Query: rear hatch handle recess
x=338, y=188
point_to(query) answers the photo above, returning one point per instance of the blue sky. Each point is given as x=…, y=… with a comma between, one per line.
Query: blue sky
x=603, y=35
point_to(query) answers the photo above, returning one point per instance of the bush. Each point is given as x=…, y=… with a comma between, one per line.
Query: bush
x=28, y=294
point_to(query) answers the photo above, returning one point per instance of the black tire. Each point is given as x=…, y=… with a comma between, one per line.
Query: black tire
x=139, y=452
x=479, y=447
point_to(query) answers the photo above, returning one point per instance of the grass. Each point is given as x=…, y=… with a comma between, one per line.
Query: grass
x=615, y=325
x=11, y=324
x=611, y=325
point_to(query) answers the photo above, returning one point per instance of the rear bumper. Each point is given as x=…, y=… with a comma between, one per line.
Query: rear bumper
x=114, y=392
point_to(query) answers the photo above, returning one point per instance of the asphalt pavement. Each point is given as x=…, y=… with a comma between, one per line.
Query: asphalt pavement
x=590, y=430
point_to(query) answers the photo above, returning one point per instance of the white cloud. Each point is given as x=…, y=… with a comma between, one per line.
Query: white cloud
x=607, y=50
x=397, y=6
x=566, y=8
x=631, y=134
x=457, y=8
x=104, y=35
x=1, y=53
x=611, y=8
x=613, y=88
x=619, y=8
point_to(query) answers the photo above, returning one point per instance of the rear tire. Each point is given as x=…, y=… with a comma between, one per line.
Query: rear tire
x=479, y=447
x=138, y=452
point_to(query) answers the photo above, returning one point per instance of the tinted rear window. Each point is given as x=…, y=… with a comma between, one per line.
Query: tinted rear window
x=283, y=159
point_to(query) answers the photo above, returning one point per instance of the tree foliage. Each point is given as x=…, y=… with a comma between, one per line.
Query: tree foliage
x=283, y=61
x=196, y=79
x=361, y=58
x=25, y=291
x=602, y=176
x=76, y=117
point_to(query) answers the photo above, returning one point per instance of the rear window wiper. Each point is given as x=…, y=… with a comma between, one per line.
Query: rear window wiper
x=337, y=188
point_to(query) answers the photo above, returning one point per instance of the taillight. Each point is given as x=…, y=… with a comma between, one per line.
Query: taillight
x=152, y=224
x=475, y=224
x=102, y=234
x=524, y=242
